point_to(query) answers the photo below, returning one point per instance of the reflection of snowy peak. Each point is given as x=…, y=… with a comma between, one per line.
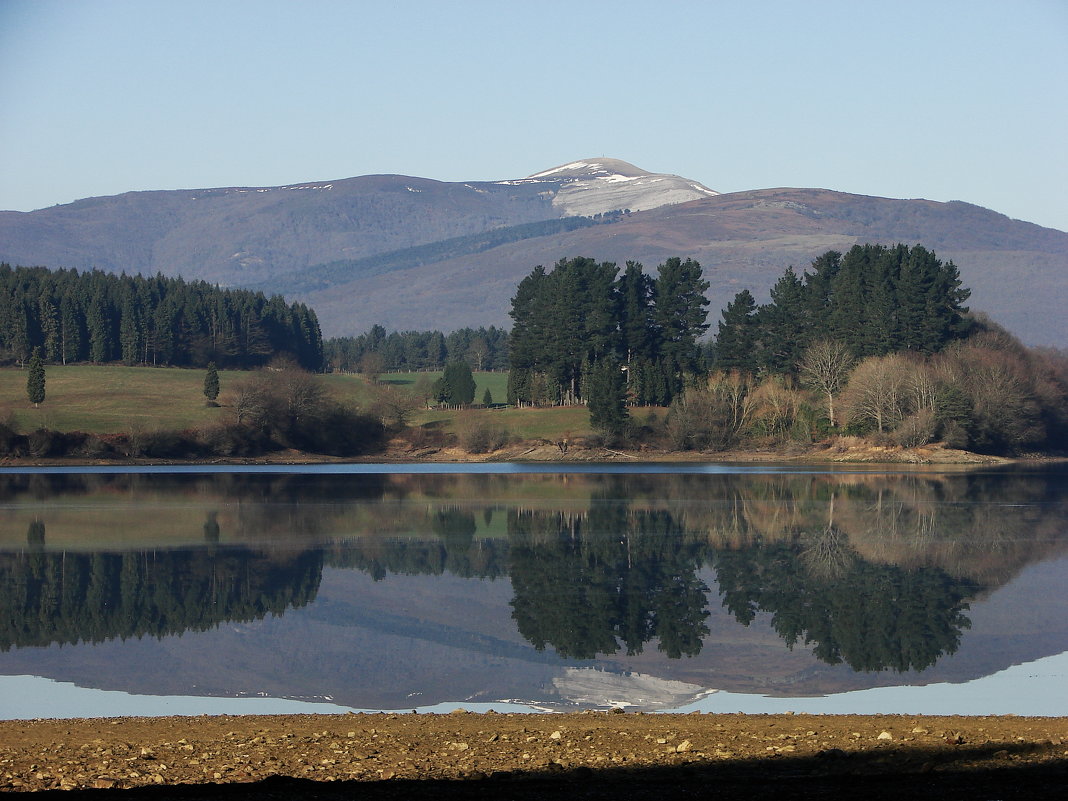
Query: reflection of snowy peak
x=593, y=687
x=595, y=186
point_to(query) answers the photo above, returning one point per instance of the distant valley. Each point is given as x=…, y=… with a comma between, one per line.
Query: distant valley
x=413, y=253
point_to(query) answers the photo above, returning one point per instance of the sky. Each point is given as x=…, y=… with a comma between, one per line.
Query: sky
x=942, y=100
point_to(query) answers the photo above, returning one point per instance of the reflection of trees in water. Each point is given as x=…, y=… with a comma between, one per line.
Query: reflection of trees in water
x=870, y=616
x=91, y=597
x=871, y=570
x=588, y=583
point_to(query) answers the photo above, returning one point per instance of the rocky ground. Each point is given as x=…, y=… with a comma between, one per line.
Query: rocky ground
x=589, y=755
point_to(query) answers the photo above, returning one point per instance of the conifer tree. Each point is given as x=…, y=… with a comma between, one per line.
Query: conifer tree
x=211, y=384
x=35, y=381
x=783, y=325
x=456, y=385
x=679, y=297
x=607, y=398
x=737, y=336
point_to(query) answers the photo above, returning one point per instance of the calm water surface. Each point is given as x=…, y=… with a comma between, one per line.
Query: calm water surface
x=712, y=587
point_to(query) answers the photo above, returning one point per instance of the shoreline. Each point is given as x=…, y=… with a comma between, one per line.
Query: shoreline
x=542, y=453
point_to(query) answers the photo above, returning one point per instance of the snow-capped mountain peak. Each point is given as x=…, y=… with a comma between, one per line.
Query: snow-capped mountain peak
x=599, y=185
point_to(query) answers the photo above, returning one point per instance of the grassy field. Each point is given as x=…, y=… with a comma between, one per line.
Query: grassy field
x=496, y=383
x=111, y=399
x=105, y=399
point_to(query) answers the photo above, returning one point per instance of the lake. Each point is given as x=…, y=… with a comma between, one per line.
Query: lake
x=755, y=588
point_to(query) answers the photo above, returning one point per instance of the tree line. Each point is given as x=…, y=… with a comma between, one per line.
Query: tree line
x=875, y=300
x=99, y=317
x=377, y=351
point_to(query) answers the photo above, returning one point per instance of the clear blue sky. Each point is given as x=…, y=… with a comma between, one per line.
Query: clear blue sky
x=942, y=100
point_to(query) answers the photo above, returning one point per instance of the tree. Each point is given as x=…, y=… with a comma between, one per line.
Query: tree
x=35, y=381
x=371, y=365
x=636, y=314
x=679, y=314
x=607, y=398
x=395, y=406
x=824, y=367
x=477, y=352
x=736, y=338
x=782, y=324
x=211, y=384
x=487, y=398
x=877, y=391
x=456, y=386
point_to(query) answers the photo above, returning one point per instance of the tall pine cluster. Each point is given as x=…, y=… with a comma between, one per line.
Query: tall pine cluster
x=875, y=300
x=581, y=318
x=99, y=317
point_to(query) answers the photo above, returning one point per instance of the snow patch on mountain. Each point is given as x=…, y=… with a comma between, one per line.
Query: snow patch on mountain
x=596, y=186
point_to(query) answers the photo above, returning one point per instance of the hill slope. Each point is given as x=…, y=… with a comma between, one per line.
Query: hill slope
x=1018, y=271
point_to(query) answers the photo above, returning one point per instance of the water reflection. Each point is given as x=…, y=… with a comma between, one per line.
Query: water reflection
x=92, y=597
x=873, y=571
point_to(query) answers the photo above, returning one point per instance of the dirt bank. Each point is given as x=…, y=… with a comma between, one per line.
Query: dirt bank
x=590, y=755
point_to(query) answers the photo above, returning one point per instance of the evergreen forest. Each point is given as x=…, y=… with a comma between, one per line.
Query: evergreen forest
x=410, y=351
x=582, y=326
x=874, y=300
x=99, y=317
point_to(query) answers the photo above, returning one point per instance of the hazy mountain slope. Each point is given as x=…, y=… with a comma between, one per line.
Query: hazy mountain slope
x=250, y=235
x=235, y=236
x=1018, y=271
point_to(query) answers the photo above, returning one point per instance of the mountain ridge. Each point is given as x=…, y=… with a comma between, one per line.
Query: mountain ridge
x=406, y=252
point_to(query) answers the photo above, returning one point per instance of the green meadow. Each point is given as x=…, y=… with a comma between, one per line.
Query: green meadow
x=104, y=399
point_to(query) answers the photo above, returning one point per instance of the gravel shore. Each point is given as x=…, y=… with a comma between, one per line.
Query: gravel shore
x=588, y=755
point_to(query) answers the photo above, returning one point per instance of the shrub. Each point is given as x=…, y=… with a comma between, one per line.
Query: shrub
x=478, y=435
x=917, y=429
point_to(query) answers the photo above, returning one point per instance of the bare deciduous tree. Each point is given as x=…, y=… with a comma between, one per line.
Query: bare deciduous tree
x=371, y=366
x=395, y=406
x=825, y=367
x=876, y=391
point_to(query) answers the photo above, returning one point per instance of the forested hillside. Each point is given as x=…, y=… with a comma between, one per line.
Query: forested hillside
x=100, y=317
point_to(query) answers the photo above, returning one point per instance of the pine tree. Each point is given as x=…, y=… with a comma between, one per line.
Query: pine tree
x=636, y=314
x=49, y=317
x=783, y=324
x=679, y=297
x=607, y=398
x=211, y=384
x=35, y=381
x=736, y=337
x=456, y=385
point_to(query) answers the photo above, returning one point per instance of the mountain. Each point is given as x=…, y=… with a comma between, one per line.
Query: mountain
x=586, y=188
x=416, y=253
x=1018, y=271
